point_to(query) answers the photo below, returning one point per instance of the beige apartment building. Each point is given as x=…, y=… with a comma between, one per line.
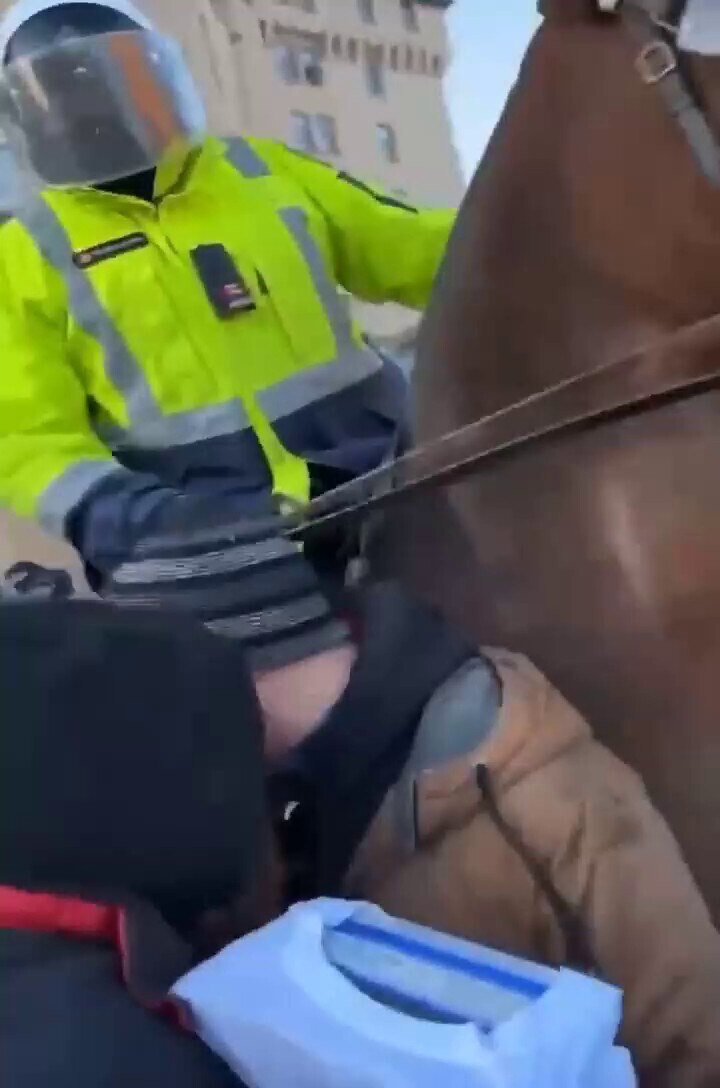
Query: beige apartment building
x=358, y=83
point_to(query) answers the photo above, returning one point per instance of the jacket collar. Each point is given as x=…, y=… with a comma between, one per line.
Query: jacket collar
x=177, y=174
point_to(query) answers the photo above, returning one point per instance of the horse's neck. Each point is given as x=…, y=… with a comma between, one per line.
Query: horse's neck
x=532, y=292
x=530, y=310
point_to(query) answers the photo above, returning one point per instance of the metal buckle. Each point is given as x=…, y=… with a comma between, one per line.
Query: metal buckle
x=656, y=62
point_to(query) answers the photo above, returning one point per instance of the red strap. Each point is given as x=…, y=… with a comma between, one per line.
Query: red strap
x=42, y=913
x=58, y=914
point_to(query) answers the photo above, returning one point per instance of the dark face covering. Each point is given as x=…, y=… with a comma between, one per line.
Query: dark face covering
x=141, y=186
x=59, y=24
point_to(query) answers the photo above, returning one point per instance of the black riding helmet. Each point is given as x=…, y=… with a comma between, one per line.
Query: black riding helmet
x=62, y=22
x=81, y=20
x=86, y=128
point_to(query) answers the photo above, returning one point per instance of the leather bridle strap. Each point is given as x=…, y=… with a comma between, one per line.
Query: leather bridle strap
x=682, y=366
x=658, y=64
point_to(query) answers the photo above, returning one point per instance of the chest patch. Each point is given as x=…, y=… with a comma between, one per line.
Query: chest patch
x=86, y=258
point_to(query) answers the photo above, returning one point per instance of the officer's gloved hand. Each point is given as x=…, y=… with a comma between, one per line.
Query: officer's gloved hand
x=242, y=579
x=30, y=580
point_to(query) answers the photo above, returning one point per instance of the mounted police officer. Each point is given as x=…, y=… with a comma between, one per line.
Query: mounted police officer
x=178, y=361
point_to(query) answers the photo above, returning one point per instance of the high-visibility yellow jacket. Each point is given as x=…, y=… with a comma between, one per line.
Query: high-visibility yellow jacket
x=123, y=386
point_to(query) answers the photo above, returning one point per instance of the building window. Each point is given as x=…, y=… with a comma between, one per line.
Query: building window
x=352, y=49
x=311, y=67
x=315, y=133
x=336, y=45
x=437, y=65
x=326, y=136
x=367, y=10
x=394, y=58
x=303, y=5
x=375, y=71
x=295, y=65
x=301, y=131
x=286, y=64
x=387, y=142
x=423, y=61
x=409, y=14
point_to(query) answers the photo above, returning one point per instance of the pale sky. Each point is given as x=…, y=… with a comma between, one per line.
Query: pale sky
x=489, y=39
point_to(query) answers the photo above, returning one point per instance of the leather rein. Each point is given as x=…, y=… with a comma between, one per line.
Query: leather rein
x=681, y=366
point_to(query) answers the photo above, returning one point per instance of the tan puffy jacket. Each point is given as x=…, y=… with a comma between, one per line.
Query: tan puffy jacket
x=586, y=818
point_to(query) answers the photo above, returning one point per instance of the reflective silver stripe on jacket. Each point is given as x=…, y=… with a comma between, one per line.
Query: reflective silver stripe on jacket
x=175, y=429
x=150, y=427
x=65, y=492
x=353, y=363
x=245, y=160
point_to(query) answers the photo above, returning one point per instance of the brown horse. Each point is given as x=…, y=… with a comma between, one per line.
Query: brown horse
x=590, y=232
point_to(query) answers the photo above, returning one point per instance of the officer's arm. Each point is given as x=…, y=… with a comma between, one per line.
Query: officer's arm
x=143, y=542
x=49, y=456
x=384, y=249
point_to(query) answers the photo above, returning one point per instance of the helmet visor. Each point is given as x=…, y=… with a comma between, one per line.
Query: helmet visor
x=700, y=28
x=87, y=111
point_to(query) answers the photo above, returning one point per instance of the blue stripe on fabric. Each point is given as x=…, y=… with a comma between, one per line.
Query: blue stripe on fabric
x=505, y=979
x=419, y=1007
